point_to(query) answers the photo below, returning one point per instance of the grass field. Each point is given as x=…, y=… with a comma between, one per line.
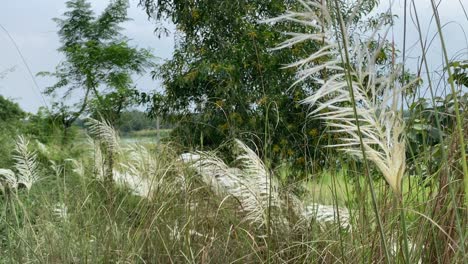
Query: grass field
x=388, y=182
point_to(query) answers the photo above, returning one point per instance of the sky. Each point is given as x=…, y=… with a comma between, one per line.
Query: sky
x=30, y=24
x=454, y=21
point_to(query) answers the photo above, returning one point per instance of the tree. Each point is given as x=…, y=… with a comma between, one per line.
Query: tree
x=11, y=117
x=10, y=111
x=460, y=72
x=99, y=62
x=225, y=80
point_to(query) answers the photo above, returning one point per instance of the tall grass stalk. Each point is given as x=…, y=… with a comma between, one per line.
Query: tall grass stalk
x=349, y=80
x=340, y=231
x=438, y=125
x=458, y=116
x=401, y=201
x=428, y=76
x=231, y=205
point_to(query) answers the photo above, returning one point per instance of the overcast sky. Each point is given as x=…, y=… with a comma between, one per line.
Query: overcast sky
x=453, y=19
x=30, y=24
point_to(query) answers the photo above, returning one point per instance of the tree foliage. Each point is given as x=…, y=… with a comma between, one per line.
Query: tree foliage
x=225, y=79
x=99, y=62
x=135, y=120
x=11, y=117
x=10, y=111
x=460, y=72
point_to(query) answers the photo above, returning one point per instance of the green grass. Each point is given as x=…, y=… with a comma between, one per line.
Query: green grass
x=185, y=221
x=189, y=223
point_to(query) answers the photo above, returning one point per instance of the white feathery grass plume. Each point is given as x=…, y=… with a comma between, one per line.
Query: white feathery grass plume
x=107, y=149
x=7, y=179
x=177, y=233
x=249, y=183
x=215, y=173
x=138, y=169
x=78, y=167
x=322, y=214
x=42, y=148
x=189, y=157
x=140, y=158
x=376, y=97
x=61, y=211
x=141, y=171
x=326, y=214
x=104, y=133
x=26, y=163
x=130, y=178
x=259, y=183
x=129, y=173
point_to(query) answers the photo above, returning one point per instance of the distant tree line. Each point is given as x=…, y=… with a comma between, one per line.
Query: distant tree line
x=133, y=120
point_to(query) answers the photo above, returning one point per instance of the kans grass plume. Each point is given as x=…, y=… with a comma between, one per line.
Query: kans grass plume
x=25, y=165
x=256, y=188
x=134, y=167
x=249, y=181
x=376, y=96
x=103, y=132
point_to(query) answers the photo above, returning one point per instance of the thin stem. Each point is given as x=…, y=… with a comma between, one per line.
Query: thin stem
x=437, y=114
x=335, y=198
x=403, y=227
x=403, y=82
x=353, y=102
x=455, y=101
x=404, y=55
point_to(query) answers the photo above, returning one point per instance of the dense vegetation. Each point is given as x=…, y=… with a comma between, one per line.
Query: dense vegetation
x=295, y=137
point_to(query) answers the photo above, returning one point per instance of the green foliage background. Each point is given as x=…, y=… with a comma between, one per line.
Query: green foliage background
x=225, y=81
x=11, y=116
